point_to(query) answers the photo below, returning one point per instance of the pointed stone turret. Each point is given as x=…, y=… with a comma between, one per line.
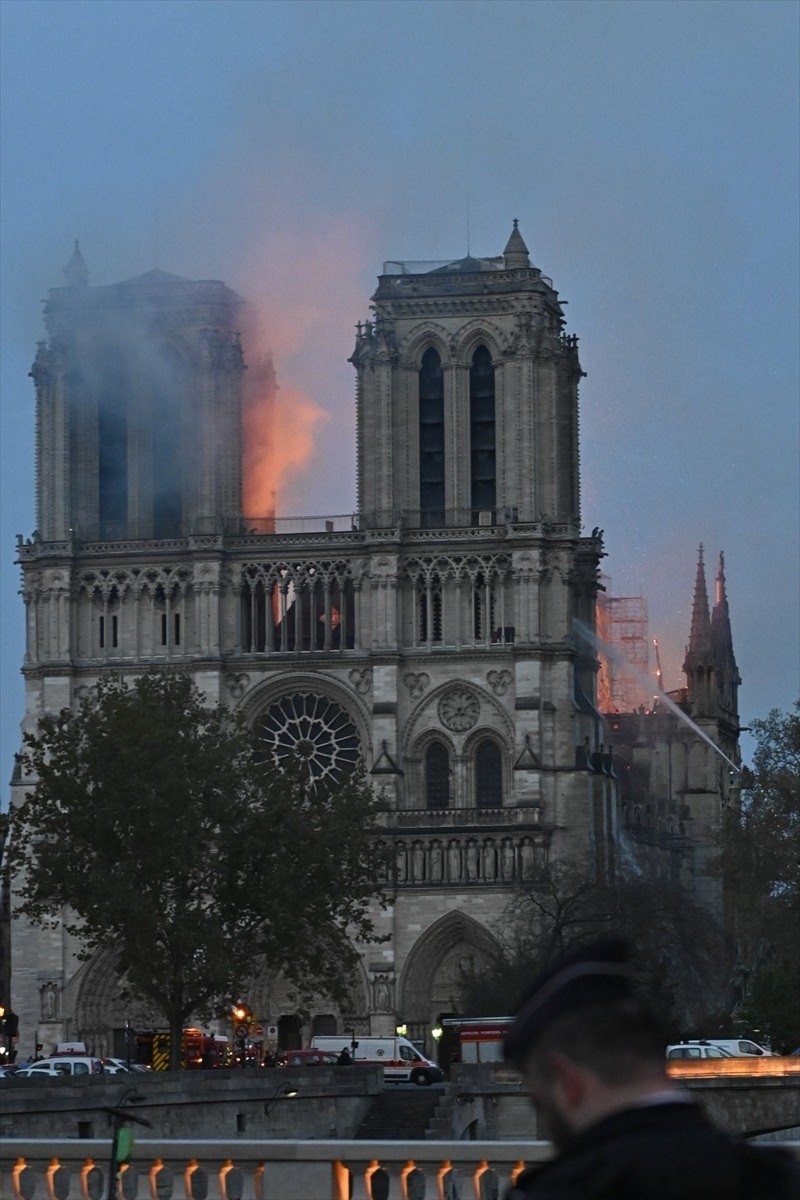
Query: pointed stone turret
x=516, y=252
x=700, y=636
x=76, y=272
x=699, y=662
x=720, y=617
x=728, y=678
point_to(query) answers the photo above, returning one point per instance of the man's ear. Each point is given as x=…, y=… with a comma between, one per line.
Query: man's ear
x=569, y=1081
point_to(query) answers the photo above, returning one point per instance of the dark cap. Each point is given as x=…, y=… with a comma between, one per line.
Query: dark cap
x=597, y=973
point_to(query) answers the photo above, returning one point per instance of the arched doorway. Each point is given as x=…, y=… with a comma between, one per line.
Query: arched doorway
x=430, y=981
x=290, y=1035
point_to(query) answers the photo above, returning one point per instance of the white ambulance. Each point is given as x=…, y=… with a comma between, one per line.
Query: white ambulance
x=400, y=1059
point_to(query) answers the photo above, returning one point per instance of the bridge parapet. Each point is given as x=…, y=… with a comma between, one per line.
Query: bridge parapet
x=265, y=1170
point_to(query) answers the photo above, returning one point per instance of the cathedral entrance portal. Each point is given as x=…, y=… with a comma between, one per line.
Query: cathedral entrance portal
x=431, y=984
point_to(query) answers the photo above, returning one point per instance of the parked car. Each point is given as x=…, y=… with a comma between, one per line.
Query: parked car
x=696, y=1050
x=116, y=1066
x=63, y=1065
x=307, y=1058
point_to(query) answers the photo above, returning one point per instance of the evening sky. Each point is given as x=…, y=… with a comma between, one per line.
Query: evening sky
x=649, y=150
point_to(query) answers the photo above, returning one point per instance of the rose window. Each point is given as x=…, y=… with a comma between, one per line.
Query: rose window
x=313, y=728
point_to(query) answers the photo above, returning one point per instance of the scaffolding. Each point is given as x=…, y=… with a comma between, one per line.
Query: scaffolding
x=622, y=624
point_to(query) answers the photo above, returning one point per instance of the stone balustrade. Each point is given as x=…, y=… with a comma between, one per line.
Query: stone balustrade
x=241, y=1169
x=245, y=1169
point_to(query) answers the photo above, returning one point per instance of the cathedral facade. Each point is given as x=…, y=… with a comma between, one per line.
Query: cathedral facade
x=432, y=638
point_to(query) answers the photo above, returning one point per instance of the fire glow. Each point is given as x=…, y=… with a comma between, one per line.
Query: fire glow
x=306, y=300
x=279, y=426
x=591, y=638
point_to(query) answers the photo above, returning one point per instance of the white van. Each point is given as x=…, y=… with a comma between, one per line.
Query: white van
x=400, y=1059
x=63, y=1065
x=738, y=1047
x=694, y=1051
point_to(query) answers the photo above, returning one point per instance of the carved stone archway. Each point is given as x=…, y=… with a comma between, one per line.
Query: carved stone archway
x=430, y=977
x=97, y=1005
x=272, y=996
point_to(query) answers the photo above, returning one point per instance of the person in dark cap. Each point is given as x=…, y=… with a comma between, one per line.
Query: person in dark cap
x=592, y=1056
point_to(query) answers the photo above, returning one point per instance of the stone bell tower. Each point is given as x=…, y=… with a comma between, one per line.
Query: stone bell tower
x=468, y=396
x=138, y=417
x=138, y=479
x=467, y=409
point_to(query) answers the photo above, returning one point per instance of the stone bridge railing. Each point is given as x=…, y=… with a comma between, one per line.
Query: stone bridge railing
x=72, y=1169
x=195, y=1169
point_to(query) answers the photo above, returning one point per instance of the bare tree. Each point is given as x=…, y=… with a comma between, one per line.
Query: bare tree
x=680, y=947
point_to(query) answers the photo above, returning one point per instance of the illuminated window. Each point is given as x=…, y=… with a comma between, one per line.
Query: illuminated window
x=308, y=609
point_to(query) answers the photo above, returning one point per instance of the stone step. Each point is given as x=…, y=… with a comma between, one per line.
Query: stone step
x=398, y=1114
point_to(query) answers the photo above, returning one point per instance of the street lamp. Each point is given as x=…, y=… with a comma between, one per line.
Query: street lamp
x=283, y=1089
x=242, y=1019
x=436, y=1034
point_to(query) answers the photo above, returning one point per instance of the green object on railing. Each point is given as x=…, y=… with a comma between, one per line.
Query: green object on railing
x=125, y=1141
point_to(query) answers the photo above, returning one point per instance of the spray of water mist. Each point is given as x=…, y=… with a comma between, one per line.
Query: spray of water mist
x=590, y=637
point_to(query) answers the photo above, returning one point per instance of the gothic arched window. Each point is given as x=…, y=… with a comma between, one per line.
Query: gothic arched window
x=483, y=609
x=437, y=776
x=167, y=387
x=431, y=440
x=112, y=445
x=482, y=434
x=488, y=774
x=429, y=599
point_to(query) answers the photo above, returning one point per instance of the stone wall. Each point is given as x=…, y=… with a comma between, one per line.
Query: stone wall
x=480, y=1102
x=329, y=1103
x=490, y=1102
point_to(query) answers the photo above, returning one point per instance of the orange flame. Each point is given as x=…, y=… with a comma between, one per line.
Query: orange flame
x=307, y=299
x=278, y=428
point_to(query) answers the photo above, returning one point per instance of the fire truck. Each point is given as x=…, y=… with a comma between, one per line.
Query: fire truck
x=480, y=1039
x=199, y=1049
